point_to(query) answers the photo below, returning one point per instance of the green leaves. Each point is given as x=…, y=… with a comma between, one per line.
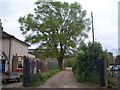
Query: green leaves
x=87, y=62
x=54, y=24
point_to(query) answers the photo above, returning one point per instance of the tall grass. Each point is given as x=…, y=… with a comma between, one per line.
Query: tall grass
x=39, y=78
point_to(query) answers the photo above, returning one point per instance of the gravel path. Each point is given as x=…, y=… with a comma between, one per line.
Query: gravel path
x=12, y=85
x=63, y=79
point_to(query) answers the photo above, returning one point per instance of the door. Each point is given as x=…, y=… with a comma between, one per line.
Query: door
x=2, y=65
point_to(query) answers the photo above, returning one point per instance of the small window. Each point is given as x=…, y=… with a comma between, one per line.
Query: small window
x=20, y=63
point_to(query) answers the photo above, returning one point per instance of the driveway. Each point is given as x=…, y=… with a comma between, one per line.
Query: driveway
x=64, y=79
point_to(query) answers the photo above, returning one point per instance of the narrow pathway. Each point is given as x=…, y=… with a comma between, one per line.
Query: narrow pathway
x=63, y=79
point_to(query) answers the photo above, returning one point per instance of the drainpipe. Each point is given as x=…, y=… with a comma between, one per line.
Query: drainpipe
x=9, y=55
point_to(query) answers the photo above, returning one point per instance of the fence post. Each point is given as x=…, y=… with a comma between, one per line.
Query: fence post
x=103, y=73
x=26, y=72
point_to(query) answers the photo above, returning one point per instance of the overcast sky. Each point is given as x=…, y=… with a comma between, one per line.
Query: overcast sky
x=105, y=13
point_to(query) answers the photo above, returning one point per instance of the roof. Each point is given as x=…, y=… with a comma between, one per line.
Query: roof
x=5, y=35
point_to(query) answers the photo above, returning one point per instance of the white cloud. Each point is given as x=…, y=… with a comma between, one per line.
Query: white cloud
x=11, y=11
x=13, y=1
x=105, y=14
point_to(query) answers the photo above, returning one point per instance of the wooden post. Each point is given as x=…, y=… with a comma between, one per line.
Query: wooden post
x=92, y=27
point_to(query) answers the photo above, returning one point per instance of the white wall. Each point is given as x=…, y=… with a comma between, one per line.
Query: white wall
x=19, y=48
x=16, y=48
x=5, y=48
x=31, y=56
x=0, y=48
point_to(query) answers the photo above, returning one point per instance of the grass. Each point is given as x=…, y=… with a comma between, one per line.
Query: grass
x=39, y=78
x=89, y=84
x=112, y=81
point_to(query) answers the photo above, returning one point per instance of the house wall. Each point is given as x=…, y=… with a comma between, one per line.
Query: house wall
x=111, y=58
x=19, y=48
x=0, y=48
x=5, y=48
x=16, y=48
x=31, y=56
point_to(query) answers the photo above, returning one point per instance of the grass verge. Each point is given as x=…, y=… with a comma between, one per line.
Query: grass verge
x=39, y=78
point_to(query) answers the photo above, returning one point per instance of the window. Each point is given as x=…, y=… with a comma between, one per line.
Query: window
x=20, y=63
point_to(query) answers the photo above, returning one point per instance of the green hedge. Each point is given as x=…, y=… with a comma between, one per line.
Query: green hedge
x=70, y=62
x=86, y=66
x=39, y=78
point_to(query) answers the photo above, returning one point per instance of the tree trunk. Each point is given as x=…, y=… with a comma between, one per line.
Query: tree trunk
x=60, y=62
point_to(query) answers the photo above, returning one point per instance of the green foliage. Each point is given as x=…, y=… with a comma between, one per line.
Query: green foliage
x=86, y=66
x=70, y=62
x=106, y=56
x=112, y=80
x=35, y=79
x=39, y=78
x=55, y=27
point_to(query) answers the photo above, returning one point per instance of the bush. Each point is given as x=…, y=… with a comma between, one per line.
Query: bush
x=112, y=80
x=70, y=62
x=86, y=67
x=94, y=78
x=40, y=78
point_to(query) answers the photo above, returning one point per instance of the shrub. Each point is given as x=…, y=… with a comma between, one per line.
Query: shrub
x=70, y=62
x=112, y=80
x=39, y=78
x=86, y=67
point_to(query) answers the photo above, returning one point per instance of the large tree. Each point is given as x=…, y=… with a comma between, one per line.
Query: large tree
x=55, y=27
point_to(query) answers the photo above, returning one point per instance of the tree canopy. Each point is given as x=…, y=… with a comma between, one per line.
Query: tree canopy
x=55, y=27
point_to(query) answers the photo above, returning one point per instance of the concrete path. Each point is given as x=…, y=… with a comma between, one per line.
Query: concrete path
x=63, y=79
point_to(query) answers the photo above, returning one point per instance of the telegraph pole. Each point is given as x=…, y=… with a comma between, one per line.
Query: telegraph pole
x=92, y=27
